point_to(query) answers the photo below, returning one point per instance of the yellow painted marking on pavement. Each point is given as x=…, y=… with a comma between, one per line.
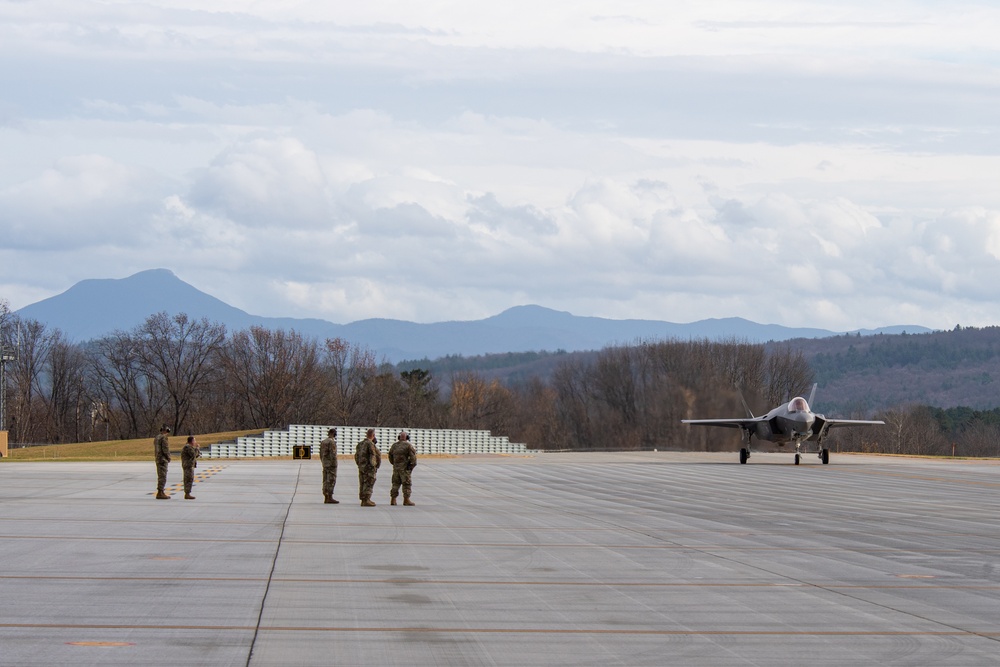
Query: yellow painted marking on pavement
x=201, y=476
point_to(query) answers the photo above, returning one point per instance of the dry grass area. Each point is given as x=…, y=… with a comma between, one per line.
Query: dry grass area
x=115, y=450
x=140, y=449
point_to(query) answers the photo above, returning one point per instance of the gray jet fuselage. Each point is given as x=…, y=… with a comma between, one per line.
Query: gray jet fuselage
x=791, y=423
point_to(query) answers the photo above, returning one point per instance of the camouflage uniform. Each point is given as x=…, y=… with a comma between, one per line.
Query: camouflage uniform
x=328, y=457
x=161, y=452
x=403, y=458
x=368, y=458
x=189, y=461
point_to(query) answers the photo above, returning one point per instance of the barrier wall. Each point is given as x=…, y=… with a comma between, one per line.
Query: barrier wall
x=424, y=440
x=3, y=444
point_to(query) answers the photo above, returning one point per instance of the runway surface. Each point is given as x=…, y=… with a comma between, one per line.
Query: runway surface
x=558, y=559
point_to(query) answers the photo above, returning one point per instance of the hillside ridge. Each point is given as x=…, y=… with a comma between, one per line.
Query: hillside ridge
x=97, y=307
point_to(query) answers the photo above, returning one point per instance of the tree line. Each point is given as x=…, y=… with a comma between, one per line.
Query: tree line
x=195, y=377
x=945, y=369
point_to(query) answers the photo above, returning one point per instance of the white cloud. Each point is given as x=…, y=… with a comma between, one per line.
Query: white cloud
x=434, y=161
x=267, y=183
x=80, y=201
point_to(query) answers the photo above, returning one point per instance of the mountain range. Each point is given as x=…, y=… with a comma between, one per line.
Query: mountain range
x=93, y=308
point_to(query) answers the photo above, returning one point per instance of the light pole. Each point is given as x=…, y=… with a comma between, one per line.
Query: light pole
x=6, y=355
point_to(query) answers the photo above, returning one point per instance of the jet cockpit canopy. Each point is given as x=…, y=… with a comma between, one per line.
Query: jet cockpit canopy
x=798, y=404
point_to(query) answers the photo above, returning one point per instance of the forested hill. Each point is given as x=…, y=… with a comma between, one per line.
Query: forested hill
x=942, y=369
x=855, y=373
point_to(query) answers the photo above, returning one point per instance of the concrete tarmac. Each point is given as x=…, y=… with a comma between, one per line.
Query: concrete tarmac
x=557, y=559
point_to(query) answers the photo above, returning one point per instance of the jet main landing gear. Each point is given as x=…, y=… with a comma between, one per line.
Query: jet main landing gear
x=824, y=456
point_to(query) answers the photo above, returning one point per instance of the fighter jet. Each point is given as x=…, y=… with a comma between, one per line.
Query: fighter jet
x=792, y=422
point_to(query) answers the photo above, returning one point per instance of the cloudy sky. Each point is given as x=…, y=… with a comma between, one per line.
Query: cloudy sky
x=832, y=164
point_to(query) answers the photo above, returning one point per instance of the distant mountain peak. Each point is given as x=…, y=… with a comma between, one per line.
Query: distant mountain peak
x=529, y=315
x=97, y=307
x=153, y=273
x=142, y=276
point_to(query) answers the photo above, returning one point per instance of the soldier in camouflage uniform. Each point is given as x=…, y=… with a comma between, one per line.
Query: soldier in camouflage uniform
x=328, y=457
x=161, y=452
x=368, y=458
x=403, y=458
x=189, y=461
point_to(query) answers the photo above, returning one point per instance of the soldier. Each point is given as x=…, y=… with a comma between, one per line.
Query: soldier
x=190, y=454
x=368, y=458
x=403, y=458
x=328, y=457
x=161, y=452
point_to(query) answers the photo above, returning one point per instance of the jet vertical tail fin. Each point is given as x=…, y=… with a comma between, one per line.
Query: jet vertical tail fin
x=745, y=406
x=812, y=394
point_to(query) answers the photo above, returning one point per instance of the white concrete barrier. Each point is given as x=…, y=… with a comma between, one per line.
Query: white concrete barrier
x=426, y=441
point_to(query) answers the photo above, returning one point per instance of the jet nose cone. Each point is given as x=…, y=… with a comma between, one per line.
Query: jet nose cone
x=804, y=423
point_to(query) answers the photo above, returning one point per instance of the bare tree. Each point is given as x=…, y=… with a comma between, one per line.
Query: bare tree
x=120, y=380
x=380, y=400
x=572, y=407
x=275, y=376
x=614, y=384
x=896, y=424
x=978, y=439
x=347, y=369
x=7, y=340
x=181, y=356
x=537, y=420
x=64, y=395
x=26, y=411
x=478, y=403
x=788, y=375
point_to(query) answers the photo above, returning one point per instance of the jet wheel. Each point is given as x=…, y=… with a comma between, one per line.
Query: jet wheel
x=796, y=459
x=744, y=455
x=824, y=456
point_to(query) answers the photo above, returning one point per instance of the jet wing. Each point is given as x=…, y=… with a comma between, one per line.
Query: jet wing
x=830, y=423
x=822, y=425
x=730, y=423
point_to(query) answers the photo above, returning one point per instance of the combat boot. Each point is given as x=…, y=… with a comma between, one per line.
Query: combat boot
x=328, y=500
x=392, y=500
x=367, y=502
x=160, y=495
x=188, y=496
x=407, y=501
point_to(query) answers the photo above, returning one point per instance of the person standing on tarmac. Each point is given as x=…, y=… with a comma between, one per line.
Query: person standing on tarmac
x=161, y=452
x=328, y=457
x=368, y=458
x=403, y=458
x=189, y=461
